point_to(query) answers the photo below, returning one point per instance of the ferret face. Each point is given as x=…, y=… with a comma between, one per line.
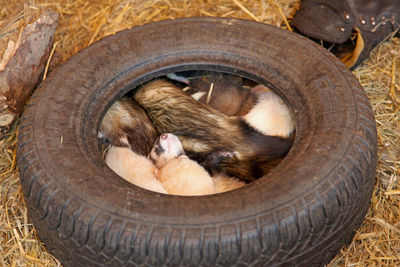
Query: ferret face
x=167, y=147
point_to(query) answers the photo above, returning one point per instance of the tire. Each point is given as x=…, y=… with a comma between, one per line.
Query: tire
x=301, y=213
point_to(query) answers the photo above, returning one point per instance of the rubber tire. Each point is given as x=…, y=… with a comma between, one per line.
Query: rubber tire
x=301, y=213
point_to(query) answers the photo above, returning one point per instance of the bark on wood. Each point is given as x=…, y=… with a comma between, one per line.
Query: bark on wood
x=22, y=64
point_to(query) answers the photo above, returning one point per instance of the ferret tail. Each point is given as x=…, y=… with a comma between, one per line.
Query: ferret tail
x=265, y=147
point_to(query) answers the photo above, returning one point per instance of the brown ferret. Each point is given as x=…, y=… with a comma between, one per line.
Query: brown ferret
x=126, y=124
x=220, y=143
x=224, y=92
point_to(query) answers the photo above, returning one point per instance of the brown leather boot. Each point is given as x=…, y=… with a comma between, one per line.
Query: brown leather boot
x=372, y=21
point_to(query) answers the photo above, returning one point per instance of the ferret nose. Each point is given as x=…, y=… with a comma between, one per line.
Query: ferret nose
x=164, y=136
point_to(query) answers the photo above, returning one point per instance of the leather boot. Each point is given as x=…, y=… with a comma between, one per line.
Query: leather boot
x=371, y=21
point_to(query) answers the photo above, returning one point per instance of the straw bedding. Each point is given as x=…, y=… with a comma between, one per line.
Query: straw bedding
x=377, y=242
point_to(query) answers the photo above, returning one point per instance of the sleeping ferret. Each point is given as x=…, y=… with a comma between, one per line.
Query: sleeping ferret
x=260, y=107
x=126, y=124
x=224, y=92
x=180, y=175
x=177, y=174
x=134, y=168
x=220, y=143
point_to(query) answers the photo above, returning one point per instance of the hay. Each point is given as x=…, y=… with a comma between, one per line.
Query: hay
x=377, y=242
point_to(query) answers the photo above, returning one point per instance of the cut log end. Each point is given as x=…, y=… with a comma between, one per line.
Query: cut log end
x=23, y=62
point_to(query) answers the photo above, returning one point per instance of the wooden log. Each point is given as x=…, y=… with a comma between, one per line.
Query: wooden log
x=26, y=50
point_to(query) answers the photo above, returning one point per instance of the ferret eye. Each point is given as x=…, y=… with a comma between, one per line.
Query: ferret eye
x=159, y=149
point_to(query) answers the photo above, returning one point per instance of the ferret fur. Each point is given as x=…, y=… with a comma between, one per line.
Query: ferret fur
x=259, y=107
x=271, y=116
x=180, y=175
x=218, y=142
x=224, y=183
x=134, y=168
x=224, y=92
x=126, y=124
x=185, y=177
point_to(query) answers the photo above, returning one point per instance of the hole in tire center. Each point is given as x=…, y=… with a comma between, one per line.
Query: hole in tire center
x=196, y=132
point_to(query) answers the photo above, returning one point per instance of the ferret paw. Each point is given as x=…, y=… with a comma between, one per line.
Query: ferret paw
x=227, y=154
x=216, y=158
x=215, y=162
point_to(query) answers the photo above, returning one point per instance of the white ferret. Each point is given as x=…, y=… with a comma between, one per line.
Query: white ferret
x=180, y=175
x=270, y=115
x=134, y=168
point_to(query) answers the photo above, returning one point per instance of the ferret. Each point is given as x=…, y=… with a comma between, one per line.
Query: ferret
x=136, y=169
x=180, y=175
x=183, y=176
x=260, y=107
x=126, y=124
x=270, y=115
x=220, y=143
x=224, y=92
x=224, y=183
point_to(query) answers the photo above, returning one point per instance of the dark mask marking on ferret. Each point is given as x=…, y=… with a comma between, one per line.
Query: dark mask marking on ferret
x=158, y=149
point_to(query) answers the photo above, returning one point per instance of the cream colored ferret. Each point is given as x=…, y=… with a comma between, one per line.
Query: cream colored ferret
x=180, y=175
x=134, y=168
x=270, y=115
